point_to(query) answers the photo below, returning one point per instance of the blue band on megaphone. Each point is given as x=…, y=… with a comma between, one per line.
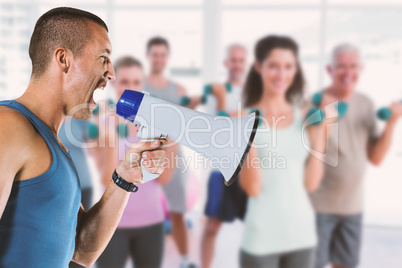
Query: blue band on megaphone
x=128, y=104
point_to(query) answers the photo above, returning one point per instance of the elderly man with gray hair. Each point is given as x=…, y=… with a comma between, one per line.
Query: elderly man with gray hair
x=338, y=200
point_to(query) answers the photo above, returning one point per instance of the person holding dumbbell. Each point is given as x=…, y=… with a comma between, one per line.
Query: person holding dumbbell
x=159, y=86
x=385, y=113
x=224, y=204
x=338, y=200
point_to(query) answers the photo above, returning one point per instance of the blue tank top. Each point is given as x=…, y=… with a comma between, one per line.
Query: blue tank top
x=38, y=226
x=72, y=141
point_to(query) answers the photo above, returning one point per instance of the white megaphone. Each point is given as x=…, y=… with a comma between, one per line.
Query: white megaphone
x=224, y=140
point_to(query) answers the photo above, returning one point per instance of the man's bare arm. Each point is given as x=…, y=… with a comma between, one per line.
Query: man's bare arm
x=378, y=150
x=14, y=136
x=314, y=170
x=194, y=101
x=96, y=226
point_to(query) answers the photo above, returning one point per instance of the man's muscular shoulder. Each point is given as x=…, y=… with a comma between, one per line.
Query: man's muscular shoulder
x=15, y=127
x=20, y=142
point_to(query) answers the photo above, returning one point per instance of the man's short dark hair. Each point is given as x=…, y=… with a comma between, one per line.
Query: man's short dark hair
x=126, y=61
x=157, y=41
x=60, y=27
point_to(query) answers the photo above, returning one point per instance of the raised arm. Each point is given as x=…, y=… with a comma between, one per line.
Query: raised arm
x=107, y=157
x=219, y=91
x=194, y=101
x=314, y=170
x=96, y=226
x=378, y=149
x=318, y=137
x=250, y=175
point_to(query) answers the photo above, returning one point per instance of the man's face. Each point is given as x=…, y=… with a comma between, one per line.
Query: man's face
x=158, y=56
x=89, y=71
x=345, y=70
x=128, y=78
x=236, y=62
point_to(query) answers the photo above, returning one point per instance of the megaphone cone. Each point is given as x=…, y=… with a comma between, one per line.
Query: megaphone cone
x=225, y=141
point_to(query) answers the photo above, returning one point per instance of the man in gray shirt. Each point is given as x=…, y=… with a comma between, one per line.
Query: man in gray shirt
x=158, y=85
x=356, y=140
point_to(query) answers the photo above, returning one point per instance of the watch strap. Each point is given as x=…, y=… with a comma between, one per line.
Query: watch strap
x=122, y=183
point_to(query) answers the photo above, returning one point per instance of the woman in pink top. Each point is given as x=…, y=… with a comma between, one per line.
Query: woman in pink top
x=140, y=234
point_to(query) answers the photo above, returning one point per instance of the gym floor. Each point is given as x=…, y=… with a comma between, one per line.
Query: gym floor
x=382, y=246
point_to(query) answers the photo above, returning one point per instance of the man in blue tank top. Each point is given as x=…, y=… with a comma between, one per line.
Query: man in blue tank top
x=42, y=223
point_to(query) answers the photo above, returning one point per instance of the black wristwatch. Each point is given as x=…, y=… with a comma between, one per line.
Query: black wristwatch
x=122, y=183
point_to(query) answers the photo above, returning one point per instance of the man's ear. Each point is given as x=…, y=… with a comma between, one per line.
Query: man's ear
x=257, y=67
x=63, y=57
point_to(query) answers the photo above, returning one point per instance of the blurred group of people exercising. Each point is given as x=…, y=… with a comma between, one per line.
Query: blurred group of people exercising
x=305, y=210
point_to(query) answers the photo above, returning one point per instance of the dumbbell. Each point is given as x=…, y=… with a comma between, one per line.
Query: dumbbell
x=342, y=106
x=222, y=113
x=228, y=87
x=319, y=114
x=208, y=91
x=185, y=101
x=92, y=131
x=315, y=116
x=122, y=130
x=384, y=113
x=318, y=118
